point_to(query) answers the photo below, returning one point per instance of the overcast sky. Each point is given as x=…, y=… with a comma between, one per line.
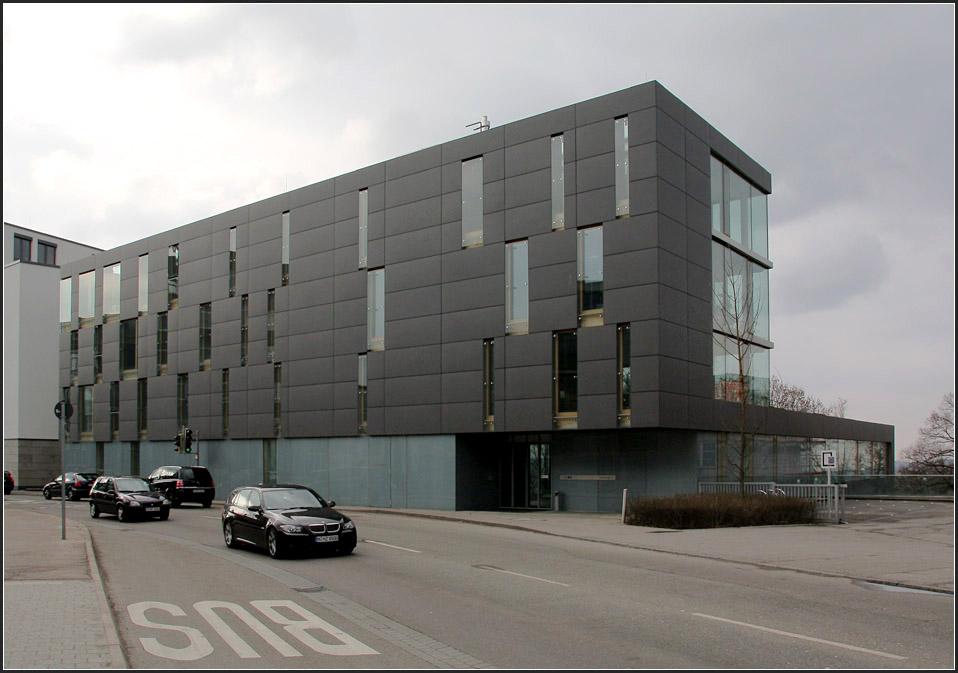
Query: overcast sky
x=122, y=121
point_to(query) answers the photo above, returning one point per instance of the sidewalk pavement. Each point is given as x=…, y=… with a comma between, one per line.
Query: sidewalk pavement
x=41, y=569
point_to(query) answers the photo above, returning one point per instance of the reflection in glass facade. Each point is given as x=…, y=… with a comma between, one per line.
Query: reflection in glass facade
x=111, y=293
x=87, y=302
x=565, y=370
x=66, y=305
x=739, y=209
x=285, y=249
x=558, y=182
x=590, y=275
x=173, y=277
x=363, y=227
x=128, y=365
x=376, y=309
x=232, y=272
x=622, y=167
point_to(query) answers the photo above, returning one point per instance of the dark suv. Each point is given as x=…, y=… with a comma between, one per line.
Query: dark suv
x=183, y=484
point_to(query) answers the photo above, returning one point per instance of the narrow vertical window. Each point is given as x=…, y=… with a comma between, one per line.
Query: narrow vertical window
x=589, y=242
x=173, y=277
x=161, y=343
x=565, y=363
x=363, y=381
x=143, y=285
x=472, y=202
x=135, y=457
x=87, y=298
x=66, y=423
x=98, y=353
x=363, y=227
x=141, y=408
x=376, y=309
x=621, y=166
x=183, y=401
x=624, y=360
x=205, y=336
x=114, y=410
x=111, y=293
x=232, y=261
x=488, y=385
x=128, y=363
x=225, y=408
x=558, y=182
x=66, y=304
x=277, y=399
x=74, y=356
x=244, y=330
x=46, y=253
x=718, y=194
x=517, y=287
x=86, y=412
x=285, y=253
x=269, y=461
x=271, y=325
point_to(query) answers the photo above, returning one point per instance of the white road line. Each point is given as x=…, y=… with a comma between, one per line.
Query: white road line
x=392, y=546
x=529, y=577
x=801, y=637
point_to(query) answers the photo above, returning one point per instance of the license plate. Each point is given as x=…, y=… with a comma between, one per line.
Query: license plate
x=152, y=509
x=327, y=538
x=197, y=490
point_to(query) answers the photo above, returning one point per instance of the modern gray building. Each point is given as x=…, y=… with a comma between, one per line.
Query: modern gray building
x=538, y=307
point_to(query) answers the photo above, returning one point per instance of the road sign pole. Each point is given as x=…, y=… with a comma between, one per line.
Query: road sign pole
x=63, y=502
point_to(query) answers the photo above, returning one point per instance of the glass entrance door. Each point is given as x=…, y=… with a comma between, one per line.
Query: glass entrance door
x=525, y=476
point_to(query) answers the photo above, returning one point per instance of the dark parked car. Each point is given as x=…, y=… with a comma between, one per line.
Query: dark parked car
x=127, y=497
x=78, y=485
x=285, y=518
x=7, y=482
x=184, y=484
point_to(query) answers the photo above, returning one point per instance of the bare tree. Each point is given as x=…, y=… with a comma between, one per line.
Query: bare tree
x=737, y=307
x=793, y=397
x=934, y=451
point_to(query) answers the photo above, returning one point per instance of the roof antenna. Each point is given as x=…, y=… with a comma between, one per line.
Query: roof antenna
x=482, y=125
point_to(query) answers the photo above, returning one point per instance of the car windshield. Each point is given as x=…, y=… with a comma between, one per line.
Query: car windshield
x=89, y=476
x=291, y=498
x=130, y=485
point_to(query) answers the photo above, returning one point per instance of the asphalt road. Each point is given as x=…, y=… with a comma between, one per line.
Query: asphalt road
x=427, y=593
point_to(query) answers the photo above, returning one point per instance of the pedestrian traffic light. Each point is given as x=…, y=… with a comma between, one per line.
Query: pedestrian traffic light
x=178, y=443
x=188, y=441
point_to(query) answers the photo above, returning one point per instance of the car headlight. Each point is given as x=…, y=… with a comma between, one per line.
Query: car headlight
x=348, y=525
x=133, y=503
x=292, y=529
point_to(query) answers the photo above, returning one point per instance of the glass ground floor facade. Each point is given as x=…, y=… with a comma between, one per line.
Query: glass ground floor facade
x=578, y=470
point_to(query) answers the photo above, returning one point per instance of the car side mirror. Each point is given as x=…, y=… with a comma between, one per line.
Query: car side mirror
x=256, y=508
x=330, y=503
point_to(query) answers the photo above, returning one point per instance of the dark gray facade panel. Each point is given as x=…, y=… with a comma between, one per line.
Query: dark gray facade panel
x=472, y=293
x=351, y=286
x=526, y=415
x=423, y=419
x=524, y=350
x=671, y=201
x=224, y=357
x=596, y=412
x=631, y=304
x=318, y=396
x=314, y=423
x=415, y=187
x=360, y=179
x=558, y=313
x=522, y=383
x=406, y=362
x=643, y=196
x=309, y=294
x=307, y=372
x=413, y=163
x=461, y=417
x=642, y=161
x=462, y=387
x=673, y=410
x=673, y=305
x=699, y=251
x=527, y=188
x=740, y=161
x=595, y=172
x=674, y=340
x=485, y=260
x=596, y=343
x=541, y=125
x=595, y=138
x=527, y=221
x=303, y=196
x=698, y=218
x=697, y=184
x=697, y=153
x=464, y=356
x=269, y=207
x=493, y=195
x=673, y=375
x=673, y=270
x=670, y=132
x=424, y=331
x=645, y=374
x=350, y=313
x=307, y=321
x=413, y=245
x=415, y=274
x=701, y=382
x=415, y=303
x=546, y=282
x=552, y=248
x=411, y=391
x=627, y=269
x=353, y=339
x=673, y=237
x=597, y=377
x=527, y=157
x=671, y=168
x=699, y=313
x=615, y=104
x=480, y=323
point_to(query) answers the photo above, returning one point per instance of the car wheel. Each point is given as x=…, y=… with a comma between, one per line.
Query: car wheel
x=272, y=544
x=164, y=515
x=173, y=501
x=72, y=495
x=346, y=552
x=94, y=512
x=47, y=494
x=207, y=503
x=121, y=513
x=228, y=535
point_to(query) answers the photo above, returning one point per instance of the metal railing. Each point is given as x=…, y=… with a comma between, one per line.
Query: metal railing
x=829, y=499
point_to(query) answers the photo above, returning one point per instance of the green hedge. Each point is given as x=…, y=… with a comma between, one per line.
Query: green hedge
x=718, y=510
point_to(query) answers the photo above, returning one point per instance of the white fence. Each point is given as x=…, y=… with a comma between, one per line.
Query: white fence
x=829, y=499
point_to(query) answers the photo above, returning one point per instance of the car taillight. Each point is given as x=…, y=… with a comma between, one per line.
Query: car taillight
x=212, y=484
x=78, y=483
x=179, y=483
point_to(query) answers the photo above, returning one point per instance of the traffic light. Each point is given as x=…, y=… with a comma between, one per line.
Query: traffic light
x=178, y=442
x=188, y=441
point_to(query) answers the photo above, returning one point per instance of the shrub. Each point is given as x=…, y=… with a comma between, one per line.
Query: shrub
x=718, y=510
